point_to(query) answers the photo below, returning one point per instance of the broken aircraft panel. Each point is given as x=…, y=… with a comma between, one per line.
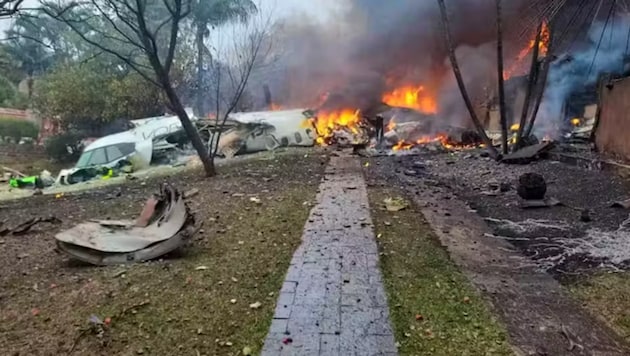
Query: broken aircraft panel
x=266, y=130
x=116, y=242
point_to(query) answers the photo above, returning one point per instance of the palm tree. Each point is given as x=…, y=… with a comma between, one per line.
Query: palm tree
x=209, y=14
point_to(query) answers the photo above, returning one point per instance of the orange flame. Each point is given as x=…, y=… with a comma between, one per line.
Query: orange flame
x=327, y=122
x=543, y=50
x=402, y=146
x=391, y=126
x=412, y=98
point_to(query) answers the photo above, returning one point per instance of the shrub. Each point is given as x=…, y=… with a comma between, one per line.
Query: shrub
x=65, y=147
x=17, y=129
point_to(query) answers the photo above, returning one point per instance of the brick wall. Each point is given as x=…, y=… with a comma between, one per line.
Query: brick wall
x=14, y=114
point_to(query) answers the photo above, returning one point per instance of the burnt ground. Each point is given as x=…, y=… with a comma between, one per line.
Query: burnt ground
x=193, y=302
x=556, y=238
x=512, y=258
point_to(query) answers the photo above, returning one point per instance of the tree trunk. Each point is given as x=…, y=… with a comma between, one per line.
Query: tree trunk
x=189, y=128
x=460, y=82
x=199, y=100
x=542, y=85
x=531, y=84
x=502, y=108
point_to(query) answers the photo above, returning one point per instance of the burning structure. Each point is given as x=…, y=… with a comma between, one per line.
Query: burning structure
x=387, y=62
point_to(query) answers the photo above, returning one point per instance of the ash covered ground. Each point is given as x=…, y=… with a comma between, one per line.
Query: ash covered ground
x=557, y=238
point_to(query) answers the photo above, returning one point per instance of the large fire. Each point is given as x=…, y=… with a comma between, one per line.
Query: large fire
x=327, y=122
x=543, y=49
x=412, y=97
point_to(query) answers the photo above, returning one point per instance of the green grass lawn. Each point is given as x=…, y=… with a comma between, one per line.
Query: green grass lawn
x=607, y=296
x=434, y=309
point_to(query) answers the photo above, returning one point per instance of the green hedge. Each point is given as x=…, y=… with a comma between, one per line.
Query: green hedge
x=17, y=129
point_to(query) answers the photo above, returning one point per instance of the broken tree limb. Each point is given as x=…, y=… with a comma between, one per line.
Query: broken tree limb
x=502, y=108
x=460, y=82
x=531, y=83
x=13, y=171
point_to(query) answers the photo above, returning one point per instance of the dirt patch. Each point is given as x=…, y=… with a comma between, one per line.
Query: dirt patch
x=195, y=302
x=434, y=309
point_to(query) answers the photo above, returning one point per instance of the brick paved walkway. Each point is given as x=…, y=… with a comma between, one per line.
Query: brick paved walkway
x=333, y=301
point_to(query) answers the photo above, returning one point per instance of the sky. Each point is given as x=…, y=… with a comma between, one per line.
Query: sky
x=320, y=9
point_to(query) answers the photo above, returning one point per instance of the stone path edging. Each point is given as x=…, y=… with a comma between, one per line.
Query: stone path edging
x=333, y=301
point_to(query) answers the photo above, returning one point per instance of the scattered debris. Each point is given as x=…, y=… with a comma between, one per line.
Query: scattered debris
x=543, y=203
x=247, y=351
x=255, y=305
x=120, y=242
x=395, y=204
x=532, y=186
x=571, y=339
x=26, y=226
x=529, y=154
x=191, y=193
x=255, y=200
x=625, y=204
x=201, y=268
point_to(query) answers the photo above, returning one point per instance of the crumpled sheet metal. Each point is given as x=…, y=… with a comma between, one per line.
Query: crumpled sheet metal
x=118, y=242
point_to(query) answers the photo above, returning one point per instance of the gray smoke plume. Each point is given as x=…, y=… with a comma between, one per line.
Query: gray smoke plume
x=579, y=69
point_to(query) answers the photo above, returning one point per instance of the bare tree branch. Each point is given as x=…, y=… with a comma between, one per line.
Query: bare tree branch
x=250, y=54
x=9, y=7
x=72, y=23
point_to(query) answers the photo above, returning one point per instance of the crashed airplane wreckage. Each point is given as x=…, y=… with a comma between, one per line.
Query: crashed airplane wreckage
x=162, y=141
x=164, y=225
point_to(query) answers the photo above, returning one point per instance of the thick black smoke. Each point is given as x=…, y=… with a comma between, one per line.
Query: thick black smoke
x=378, y=45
